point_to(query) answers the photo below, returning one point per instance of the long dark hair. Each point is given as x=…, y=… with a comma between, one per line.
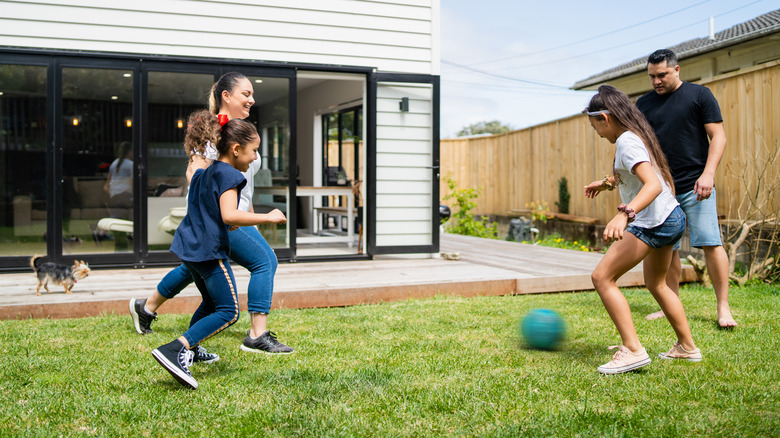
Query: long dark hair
x=122, y=151
x=628, y=116
x=203, y=126
x=227, y=82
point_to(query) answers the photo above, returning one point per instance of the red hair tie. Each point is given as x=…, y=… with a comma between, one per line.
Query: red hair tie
x=223, y=118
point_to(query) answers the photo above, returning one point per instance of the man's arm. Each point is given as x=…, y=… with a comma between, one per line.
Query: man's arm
x=706, y=181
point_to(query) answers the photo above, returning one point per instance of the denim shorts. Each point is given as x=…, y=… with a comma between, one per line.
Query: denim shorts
x=702, y=219
x=666, y=234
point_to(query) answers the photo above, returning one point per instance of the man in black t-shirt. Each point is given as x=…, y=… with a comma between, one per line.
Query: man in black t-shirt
x=687, y=121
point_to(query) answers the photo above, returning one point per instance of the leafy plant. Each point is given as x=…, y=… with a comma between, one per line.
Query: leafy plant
x=538, y=210
x=563, y=195
x=494, y=127
x=463, y=220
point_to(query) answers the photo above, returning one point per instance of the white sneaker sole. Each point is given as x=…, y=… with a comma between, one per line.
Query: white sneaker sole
x=624, y=369
x=689, y=359
x=177, y=373
x=259, y=351
x=134, y=314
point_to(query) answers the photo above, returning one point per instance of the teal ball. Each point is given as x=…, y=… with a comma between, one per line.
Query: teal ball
x=543, y=329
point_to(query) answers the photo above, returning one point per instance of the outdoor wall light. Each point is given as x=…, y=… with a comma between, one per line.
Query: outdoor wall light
x=179, y=123
x=114, y=97
x=258, y=81
x=128, y=122
x=404, y=104
x=76, y=120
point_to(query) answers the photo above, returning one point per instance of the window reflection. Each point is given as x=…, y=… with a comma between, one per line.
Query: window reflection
x=22, y=160
x=172, y=97
x=97, y=107
x=270, y=116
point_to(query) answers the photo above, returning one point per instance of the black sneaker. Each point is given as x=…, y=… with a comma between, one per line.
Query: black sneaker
x=201, y=355
x=265, y=343
x=141, y=318
x=177, y=359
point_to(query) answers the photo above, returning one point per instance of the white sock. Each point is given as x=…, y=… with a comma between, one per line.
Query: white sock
x=146, y=309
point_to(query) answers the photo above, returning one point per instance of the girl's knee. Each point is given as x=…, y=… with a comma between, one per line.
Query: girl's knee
x=598, y=278
x=231, y=317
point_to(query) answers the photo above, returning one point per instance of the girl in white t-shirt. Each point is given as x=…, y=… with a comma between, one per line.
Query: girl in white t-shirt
x=648, y=224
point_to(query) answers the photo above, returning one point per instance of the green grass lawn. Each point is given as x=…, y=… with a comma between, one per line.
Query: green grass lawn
x=442, y=367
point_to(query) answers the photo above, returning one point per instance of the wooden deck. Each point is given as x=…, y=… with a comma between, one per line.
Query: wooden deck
x=484, y=267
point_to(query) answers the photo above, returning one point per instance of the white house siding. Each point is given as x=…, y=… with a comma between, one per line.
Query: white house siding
x=404, y=145
x=393, y=36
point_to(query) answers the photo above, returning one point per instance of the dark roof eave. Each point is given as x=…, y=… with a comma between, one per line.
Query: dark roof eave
x=601, y=78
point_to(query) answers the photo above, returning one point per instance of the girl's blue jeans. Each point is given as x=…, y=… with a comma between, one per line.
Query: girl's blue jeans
x=249, y=249
x=219, y=308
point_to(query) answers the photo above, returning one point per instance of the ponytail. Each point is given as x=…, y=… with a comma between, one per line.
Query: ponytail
x=628, y=116
x=227, y=82
x=204, y=127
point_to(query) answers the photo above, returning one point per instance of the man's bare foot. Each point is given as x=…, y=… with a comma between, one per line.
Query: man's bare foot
x=725, y=320
x=657, y=315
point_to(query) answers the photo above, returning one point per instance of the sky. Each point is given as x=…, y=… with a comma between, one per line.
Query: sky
x=515, y=60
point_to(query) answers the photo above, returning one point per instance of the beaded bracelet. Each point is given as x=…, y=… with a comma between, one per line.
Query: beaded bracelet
x=628, y=211
x=606, y=183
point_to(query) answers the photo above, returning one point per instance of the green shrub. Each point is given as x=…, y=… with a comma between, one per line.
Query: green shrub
x=463, y=220
x=563, y=195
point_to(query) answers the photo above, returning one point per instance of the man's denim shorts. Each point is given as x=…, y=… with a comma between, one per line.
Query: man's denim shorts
x=666, y=234
x=702, y=219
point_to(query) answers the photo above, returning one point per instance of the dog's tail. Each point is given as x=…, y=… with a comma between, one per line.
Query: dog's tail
x=34, y=262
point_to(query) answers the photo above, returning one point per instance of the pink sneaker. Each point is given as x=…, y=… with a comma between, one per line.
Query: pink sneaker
x=624, y=360
x=678, y=352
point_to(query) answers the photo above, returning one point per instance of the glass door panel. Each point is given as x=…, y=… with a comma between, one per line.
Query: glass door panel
x=24, y=204
x=97, y=166
x=270, y=114
x=172, y=96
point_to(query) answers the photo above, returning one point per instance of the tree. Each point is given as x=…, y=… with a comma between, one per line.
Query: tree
x=494, y=127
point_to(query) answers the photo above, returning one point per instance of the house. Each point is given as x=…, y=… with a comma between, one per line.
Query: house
x=745, y=45
x=347, y=105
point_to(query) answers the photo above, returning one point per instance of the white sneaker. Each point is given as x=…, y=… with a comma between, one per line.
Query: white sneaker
x=624, y=360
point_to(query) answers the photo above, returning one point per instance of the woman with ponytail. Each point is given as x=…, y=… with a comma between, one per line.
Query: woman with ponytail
x=230, y=98
x=647, y=225
x=202, y=239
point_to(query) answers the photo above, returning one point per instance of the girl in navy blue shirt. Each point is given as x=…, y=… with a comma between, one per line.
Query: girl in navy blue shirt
x=201, y=240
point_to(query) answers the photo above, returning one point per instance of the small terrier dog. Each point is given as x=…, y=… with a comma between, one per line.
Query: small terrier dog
x=64, y=275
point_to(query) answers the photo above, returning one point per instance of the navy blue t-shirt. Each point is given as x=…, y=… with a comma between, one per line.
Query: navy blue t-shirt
x=202, y=235
x=678, y=120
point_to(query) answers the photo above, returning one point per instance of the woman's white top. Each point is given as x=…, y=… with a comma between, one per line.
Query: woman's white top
x=245, y=197
x=630, y=150
x=121, y=177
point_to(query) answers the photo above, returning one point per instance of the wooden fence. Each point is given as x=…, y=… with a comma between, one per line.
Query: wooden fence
x=520, y=167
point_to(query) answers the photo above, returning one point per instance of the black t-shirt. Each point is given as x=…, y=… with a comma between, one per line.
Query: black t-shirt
x=678, y=120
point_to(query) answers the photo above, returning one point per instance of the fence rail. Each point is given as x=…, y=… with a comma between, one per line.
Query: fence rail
x=517, y=168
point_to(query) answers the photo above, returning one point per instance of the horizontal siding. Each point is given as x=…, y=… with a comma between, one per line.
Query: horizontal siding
x=392, y=36
x=404, y=156
x=391, y=146
x=402, y=200
x=409, y=214
x=405, y=240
